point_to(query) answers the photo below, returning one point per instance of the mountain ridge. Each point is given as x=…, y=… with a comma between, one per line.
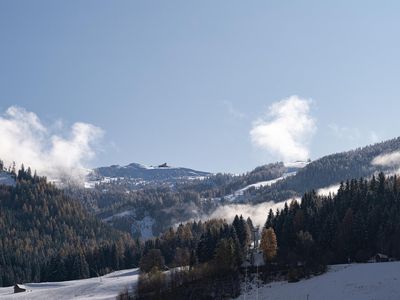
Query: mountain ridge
x=137, y=171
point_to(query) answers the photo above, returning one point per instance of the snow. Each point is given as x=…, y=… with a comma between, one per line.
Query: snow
x=122, y=214
x=234, y=195
x=89, y=184
x=146, y=227
x=297, y=164
x=99, y=288
x=378, y=281
x=6, y=179
x=92, y=183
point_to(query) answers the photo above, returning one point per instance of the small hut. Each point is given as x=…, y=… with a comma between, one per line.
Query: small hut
x=19, y=288
x=379, y=257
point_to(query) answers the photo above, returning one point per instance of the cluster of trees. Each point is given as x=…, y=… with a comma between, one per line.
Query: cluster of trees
x=197, y=242
x=197, y=251
x=45, y=235
x=361, y=220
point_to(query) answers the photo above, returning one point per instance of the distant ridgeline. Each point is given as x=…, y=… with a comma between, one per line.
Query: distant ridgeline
x=47, y=236
x=137, y=175
x=136, y=193
x=127, y=208
x=330, y=170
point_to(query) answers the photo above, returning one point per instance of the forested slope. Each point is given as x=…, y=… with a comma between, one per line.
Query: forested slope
x=329, y=170
x=45, y=235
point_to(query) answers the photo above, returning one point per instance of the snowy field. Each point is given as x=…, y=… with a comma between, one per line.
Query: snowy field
x=100, y=288
x=373, y=281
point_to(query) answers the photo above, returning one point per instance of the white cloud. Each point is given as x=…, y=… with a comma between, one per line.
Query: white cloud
x=387, y=160
x=329, y=190
x=232, y=110
x=343, y=132
x=286, y=130
x=353, y=134
x=374, y=137
x=24, y=139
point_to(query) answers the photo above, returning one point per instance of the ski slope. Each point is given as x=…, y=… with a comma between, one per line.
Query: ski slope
x=99, y=288
x=232, y=197
x=377, y=281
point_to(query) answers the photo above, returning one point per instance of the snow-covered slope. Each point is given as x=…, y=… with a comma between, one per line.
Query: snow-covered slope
x=139, y=226
x=6, y=178
x=100, y=288
x=234, y=196
x=138, y=175
x=139, y=171
x=378, y=281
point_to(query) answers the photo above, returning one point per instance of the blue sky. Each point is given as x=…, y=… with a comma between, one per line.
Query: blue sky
x=185, y=82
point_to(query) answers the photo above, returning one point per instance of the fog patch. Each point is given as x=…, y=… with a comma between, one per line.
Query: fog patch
x=330, y=190
x=387, y=160
x=258, y=212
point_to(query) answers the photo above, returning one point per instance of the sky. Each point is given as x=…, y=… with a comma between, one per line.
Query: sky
x=220, y=86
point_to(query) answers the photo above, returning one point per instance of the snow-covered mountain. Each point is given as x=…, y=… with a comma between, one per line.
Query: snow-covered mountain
x=138, y=175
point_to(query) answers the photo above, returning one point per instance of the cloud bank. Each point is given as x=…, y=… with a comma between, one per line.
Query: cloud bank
x=286, y=129
x=258, y=212
x=24, y=139
x=353, y=134
x=387, y=160
x=329, y=190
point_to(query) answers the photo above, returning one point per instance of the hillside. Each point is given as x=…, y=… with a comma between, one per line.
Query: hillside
x=43, y=231
x=329, y=170
x=151, y=209
x=378, y=281
x=106, y=287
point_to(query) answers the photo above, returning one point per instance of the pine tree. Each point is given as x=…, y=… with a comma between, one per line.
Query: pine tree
x=225, y=256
